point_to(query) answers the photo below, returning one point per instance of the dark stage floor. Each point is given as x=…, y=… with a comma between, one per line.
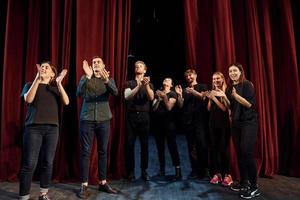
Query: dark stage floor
x=278, y=188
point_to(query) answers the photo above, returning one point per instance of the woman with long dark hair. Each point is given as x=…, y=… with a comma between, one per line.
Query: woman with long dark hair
x=43, y=97
x=244, y=129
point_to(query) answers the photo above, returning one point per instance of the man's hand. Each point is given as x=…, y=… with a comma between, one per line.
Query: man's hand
x=87, y=69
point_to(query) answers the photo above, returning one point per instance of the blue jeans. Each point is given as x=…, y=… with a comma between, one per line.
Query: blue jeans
x=39, y=141
x=87, y=131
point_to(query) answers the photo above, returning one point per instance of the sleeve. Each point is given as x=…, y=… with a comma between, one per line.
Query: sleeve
x=127, y=85
x=173, y=95
x=111, y=86
x=25, y=89
x=81, y=88
x=249, y=92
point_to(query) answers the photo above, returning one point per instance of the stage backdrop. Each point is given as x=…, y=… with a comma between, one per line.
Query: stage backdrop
x=65, y=32
x=262, y=35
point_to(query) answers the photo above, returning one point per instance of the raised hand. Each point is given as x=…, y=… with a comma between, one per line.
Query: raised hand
x=61, y=76
x=233, y=93
x=104, y=74
x=190, y=90
x=146, y=80
x=178, y=90
x=38, y=76
x=220, y=93
x=160, y=94
x=87, y=69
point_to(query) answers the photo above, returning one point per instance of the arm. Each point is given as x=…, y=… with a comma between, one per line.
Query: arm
x=199, y=95
x=169, y=103
x=240, y=99
x=63, y=94
x=111, y=86
x=81, y=88
x=129, y=94
x=212, y=97
x=30, y=94
x=180, y=99
x=149, y=91
x=155, y=104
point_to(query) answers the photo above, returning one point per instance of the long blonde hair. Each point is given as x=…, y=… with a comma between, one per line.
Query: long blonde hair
x=224, y=85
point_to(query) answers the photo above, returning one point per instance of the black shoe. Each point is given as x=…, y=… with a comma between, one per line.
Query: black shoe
x=178, y=175
x=161, y=173
x=192, y=175
x=83, y=192
x=238, y=187
x=131, y=176
x=106, y=188
x=145, y=175
x=44, y=197
x=204, y=175
x=250, y=193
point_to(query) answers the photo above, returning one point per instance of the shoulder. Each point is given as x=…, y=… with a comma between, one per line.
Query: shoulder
x=201, y=87
x=248, y=84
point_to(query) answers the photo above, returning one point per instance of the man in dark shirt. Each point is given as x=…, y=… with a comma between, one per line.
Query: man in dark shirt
x=138, y=94
x=193, y=103
x=95, y=87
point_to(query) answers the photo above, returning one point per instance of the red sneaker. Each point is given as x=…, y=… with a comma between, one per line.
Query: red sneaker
x=216, y=179
x=227, y=181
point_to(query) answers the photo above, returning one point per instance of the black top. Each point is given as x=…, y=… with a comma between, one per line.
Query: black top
x=140, y=102
x=45, y=106
x=194, y=109
x=217, y=117
x=95, y=94
x=162, y=111
x=239, y=112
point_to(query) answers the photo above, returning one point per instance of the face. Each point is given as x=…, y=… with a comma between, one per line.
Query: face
x=191, y=77
x=46, y=71
x=167, y=83
x=234, y=73
x=217, y=80
x=140, y=68
x=97, y=65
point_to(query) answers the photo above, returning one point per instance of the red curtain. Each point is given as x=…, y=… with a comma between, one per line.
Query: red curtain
x=261, y=36
x=65, y=32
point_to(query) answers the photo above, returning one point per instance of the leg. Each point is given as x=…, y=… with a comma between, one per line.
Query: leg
x=86, y=140
x=160, y=144
x=143, y=130
x=248, y=140
x=102, y=133
x=130, y=142
x=32, y=142
x=48, y=152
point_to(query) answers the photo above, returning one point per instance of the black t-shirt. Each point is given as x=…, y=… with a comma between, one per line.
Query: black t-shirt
x=162, y=111
x=217, y=117
x=194, y=109
x=140, y=102
x=45, y=106
x=239, y=112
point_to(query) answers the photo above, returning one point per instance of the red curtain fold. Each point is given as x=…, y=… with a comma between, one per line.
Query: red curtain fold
x=65, y=32
x=250, y=32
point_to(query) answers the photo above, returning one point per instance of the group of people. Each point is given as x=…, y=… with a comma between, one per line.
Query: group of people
x=231, y=113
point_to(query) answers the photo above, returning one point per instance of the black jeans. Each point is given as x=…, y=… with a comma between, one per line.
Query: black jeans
x=165, y=132
x=219, y=142
x=137, y=124
x=197, y=141
x=39, y=141
x=87, y=131
x=244, y=137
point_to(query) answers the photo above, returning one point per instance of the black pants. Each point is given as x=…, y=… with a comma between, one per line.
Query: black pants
x=39, y=141
x=165, y=132
x=137, y=124
x=244, y=137
x=219, y=158
x=87, y=131
x=197, y=140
